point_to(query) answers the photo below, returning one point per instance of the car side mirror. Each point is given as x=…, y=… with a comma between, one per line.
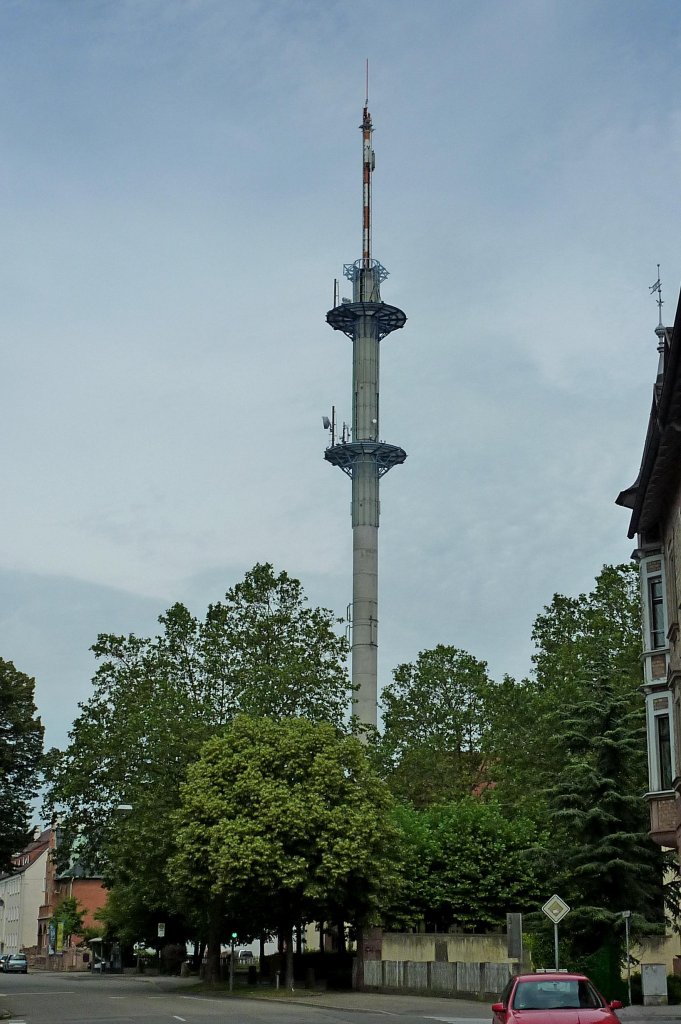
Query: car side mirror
x=615, y=1005
x=498, y=1007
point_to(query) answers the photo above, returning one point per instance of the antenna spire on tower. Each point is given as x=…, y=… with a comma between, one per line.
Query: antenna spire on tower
x=657, y=287
x=368, y=163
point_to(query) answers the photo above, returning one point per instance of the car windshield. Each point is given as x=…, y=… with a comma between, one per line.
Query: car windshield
x=567, y=994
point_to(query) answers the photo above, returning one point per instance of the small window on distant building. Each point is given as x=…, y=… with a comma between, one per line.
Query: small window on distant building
x=664, y=751
x=656, y=605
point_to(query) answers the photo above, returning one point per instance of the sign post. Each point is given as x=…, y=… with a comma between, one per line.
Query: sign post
x=556, y=909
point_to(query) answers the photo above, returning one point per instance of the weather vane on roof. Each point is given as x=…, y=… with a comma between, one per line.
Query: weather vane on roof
x=657, y=287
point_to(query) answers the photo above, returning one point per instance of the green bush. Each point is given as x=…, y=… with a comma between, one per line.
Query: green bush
x=673, y=989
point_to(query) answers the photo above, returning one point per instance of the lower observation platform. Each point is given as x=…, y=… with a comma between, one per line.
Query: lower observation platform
x=385, y=456
x=344, y=317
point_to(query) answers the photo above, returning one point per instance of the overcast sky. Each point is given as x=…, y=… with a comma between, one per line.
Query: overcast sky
x=180, y=183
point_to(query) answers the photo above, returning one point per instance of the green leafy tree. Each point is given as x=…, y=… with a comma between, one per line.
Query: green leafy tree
x=513, y=745
x=567, y=747
x=70, y=915
x=434, y=718
x=571, y=634
x=127, y=918
x=465, y=865
x=523, y=746
x=282, y=822
x=21, y=747
x=155, y=701
x=604, y=862
x=281, y=657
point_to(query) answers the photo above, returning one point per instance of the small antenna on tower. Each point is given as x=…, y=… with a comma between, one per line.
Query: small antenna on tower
x=330, y=424
x=366, y=91
x=657, y=287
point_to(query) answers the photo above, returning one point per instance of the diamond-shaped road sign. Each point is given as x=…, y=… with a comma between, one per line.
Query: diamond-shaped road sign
x=556, y=909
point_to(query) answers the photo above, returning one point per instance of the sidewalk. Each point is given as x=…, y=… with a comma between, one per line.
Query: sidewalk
x=632, y=1014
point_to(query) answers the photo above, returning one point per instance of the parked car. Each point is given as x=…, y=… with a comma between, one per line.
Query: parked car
x=16, y=963
x=3, y=957
x=571, y=998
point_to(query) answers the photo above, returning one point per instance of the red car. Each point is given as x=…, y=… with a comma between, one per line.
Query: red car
x=553, y=997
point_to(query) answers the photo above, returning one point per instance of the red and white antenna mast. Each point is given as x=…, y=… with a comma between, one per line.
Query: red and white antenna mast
x=368, y=164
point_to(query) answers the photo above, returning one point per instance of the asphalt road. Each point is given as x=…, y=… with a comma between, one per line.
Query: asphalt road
x=45, y=998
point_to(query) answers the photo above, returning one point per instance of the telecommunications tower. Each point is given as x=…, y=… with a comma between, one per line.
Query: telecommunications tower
x=366, y=320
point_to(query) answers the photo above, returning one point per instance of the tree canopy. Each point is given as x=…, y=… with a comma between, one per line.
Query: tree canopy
x=70, y=914
x=572, y=635
x=156, y=700
x=282, y=822
x=253, y=808
x=433, y=720
x=605, y=861
x=21, y=747
x=465, y=865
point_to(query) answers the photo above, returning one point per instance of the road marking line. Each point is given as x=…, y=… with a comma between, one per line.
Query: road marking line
x=455, y=1020
x=175, y=1017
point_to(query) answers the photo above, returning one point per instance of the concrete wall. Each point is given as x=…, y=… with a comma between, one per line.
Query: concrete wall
x=658, y=950
x=422, y=947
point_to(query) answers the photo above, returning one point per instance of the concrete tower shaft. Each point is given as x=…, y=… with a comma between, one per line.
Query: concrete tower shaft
x=366, y=320
x=366, y=361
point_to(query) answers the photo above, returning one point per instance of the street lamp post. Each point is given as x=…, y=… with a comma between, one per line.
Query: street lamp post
x=626, y=914
x=231, y=961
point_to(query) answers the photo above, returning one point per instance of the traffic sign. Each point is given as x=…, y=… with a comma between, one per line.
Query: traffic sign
x=556, y=909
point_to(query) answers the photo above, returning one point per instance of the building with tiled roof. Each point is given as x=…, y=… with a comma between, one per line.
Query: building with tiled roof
x=655, y=503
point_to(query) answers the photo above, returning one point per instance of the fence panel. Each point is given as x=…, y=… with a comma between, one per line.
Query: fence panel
x=373, y=973
x=416, y=976
x=468, y=978
x=479, y=980
x=494, y=977
x=443, y=977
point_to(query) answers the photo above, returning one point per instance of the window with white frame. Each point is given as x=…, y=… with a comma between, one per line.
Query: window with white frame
x=663, y=745
x=653, y=599
x=656, y=612
x=661, y=728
